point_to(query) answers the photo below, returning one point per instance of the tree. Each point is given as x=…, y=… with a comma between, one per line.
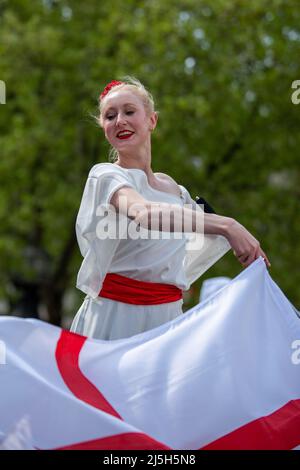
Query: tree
x=221, y=75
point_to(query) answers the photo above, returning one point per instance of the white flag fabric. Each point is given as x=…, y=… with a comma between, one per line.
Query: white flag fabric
x=212, y=285
x=224, y=375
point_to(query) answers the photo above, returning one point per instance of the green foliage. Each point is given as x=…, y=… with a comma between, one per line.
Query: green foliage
x=221, y=74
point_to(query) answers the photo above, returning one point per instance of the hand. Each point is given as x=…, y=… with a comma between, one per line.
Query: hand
x=245, y=247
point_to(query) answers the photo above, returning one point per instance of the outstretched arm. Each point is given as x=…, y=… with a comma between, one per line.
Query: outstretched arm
x=151, y=215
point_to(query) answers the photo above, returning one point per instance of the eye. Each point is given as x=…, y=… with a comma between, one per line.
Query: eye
x=111, y=116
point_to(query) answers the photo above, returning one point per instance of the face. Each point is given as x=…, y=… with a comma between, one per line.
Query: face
x=124, y=110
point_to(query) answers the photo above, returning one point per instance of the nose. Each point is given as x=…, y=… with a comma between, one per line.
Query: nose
x=120, y=119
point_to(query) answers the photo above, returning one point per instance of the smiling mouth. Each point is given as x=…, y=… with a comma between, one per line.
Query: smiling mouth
x=123, y=137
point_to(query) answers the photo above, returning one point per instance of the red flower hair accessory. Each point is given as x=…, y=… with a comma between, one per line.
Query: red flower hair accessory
x=109, y=87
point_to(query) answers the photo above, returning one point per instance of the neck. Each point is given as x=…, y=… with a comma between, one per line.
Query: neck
x=140, y=160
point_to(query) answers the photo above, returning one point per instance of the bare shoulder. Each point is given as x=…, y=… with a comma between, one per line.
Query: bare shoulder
x=170, y=182
x=165, y=177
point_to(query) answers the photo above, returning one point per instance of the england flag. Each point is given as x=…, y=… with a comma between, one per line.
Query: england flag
x=224, y=375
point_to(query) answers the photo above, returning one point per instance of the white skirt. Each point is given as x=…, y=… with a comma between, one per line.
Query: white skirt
x=107, y=319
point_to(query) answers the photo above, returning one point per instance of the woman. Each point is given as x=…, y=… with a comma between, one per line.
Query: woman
x=135, y=283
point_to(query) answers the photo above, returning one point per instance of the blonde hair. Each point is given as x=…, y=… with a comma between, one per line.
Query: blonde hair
x=132, y=84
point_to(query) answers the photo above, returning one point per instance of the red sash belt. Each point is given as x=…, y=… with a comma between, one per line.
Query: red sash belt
x=132, y=291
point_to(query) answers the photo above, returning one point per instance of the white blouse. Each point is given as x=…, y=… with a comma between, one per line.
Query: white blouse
x=177, y=261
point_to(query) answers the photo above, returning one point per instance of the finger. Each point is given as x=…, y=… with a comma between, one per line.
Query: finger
x=251, y=258
x=244, y=261
x=244, y=257
x=266, y=259
x=258, y=252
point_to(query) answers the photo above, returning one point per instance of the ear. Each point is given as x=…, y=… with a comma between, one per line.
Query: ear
x=153, y=119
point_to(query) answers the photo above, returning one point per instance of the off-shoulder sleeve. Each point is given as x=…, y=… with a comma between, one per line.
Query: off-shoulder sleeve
x=101, y=184
x=201, y=251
